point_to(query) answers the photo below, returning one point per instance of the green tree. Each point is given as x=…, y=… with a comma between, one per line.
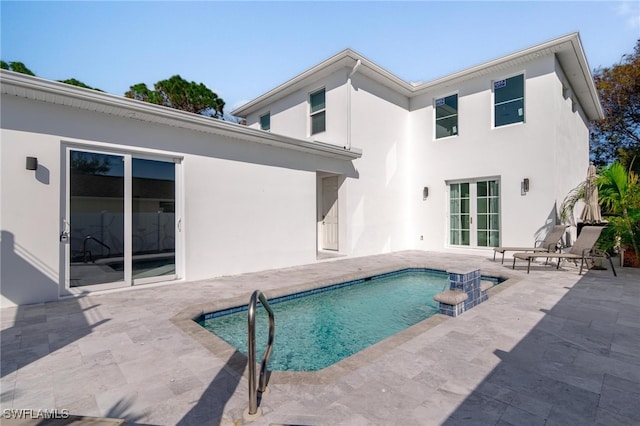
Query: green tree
x=17, y=67
x=619, y=194
x=178, y=93
x=74, y=82
x=87, y=163
x=617, y=136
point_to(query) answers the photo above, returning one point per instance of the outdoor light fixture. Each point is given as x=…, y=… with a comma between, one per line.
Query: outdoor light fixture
x=525, y=185
x=425, y=192
x=32, y=163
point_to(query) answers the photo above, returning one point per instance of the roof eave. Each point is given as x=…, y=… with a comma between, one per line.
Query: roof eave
x=36, y=88
x=587, y=97
x=344, y=59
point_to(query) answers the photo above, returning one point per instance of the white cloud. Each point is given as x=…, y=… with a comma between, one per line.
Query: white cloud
x=630, y=11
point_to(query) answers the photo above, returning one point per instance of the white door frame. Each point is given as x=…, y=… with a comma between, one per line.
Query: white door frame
x=65, y=247
x=473, y=210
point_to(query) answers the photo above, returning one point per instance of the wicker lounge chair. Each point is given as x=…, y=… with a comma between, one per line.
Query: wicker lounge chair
x=582, y=249
x=548, y=244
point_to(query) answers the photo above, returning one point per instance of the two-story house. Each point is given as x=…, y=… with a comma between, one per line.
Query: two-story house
x=101, y=192
x=476, y=159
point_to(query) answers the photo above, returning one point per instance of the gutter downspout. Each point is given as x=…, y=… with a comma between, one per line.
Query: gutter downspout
x=353, y=71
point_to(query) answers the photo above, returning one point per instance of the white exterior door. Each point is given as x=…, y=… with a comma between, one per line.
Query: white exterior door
x=330, y=213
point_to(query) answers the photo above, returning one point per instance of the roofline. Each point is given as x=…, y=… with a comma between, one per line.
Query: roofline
x=346, y=57
x=40, y=89
x=349, y=57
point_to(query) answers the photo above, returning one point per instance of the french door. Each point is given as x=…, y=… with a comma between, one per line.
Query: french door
x=474, y=213
x=120, y=220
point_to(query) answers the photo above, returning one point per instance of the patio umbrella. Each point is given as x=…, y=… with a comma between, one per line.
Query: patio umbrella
x=591, y=211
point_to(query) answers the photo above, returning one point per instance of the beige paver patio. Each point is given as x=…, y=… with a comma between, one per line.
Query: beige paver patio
x=550, y=347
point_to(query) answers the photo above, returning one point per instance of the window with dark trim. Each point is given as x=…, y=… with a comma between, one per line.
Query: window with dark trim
x=446, y=116
x=317, y=111
x=265, y=121
x=508, y=97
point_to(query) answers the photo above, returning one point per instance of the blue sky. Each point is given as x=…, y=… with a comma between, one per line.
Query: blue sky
x=242, y=49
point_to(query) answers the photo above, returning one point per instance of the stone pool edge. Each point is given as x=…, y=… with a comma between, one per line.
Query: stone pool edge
x=236, y=361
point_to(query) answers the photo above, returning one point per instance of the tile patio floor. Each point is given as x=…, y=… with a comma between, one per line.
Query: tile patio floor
x=548, y=348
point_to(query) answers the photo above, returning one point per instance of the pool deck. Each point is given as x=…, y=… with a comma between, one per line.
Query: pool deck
x=548, y=348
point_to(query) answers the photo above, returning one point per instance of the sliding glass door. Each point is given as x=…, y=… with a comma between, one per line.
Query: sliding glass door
x=120, y=221
x=153, y=218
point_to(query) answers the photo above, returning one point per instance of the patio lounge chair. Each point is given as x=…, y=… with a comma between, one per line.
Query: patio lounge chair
x=547, y=245
x=582, y=249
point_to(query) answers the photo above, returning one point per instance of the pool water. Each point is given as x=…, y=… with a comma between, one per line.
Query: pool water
x=314, y=331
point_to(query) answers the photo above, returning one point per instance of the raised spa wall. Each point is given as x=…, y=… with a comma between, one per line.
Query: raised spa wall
x=466, y=290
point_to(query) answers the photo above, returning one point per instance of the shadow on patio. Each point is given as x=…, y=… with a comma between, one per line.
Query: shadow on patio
x=210, y=407
x=579, y=365
x=31, y=332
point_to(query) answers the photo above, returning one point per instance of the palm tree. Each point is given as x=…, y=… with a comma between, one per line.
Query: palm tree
x=620, y=195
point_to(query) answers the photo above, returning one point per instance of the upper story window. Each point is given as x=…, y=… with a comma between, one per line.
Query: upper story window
x=265, y=121
x=508, y=97
x=447, y=116
x=317, y=112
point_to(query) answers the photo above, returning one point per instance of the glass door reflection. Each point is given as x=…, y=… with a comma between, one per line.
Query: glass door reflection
x=96, y=217
x=153, y=219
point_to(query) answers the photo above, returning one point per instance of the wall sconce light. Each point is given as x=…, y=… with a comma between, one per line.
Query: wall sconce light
x=425, y=192
x=32, y=163
x=525, y=185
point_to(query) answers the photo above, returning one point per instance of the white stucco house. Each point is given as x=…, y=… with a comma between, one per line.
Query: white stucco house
x=346, y=159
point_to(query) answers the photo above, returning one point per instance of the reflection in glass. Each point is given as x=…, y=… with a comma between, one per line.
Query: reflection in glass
x=96, y=218
x=153, y=216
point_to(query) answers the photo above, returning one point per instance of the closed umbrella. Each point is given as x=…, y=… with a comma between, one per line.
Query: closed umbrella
x=591, y=211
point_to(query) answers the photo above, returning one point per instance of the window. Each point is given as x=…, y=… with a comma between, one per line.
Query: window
x=509, y=100
x=447, y=116
x=317, y=112
x=474, y=213
x=265, y=121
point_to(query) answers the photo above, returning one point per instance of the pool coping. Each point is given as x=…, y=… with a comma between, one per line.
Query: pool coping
x=186, y=320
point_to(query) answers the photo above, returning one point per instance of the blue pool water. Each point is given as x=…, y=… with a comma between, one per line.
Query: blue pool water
x=318, y=328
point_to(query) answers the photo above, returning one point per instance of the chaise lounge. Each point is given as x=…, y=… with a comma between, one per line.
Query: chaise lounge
x=582, y=249
x=548, y=244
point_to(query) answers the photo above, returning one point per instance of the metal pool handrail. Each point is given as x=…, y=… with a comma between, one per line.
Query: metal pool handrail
x=253, y=392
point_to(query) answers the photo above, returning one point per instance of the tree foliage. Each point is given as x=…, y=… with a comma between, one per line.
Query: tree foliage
x=619, y=194
x=21, y=68
x=617, y=136
x=17, y=67
x=74, y=82
x=178, y=93
x=87, y=163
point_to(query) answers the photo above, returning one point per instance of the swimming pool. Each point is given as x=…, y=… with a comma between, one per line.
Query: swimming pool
x=317, y=328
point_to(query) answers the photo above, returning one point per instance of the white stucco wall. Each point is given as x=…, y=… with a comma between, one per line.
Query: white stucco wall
x=385, y=208
x=290, y=115
x=374, y=217
x=30, y=217
x=379, y=217
x=246, y=206
x=544, y=148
